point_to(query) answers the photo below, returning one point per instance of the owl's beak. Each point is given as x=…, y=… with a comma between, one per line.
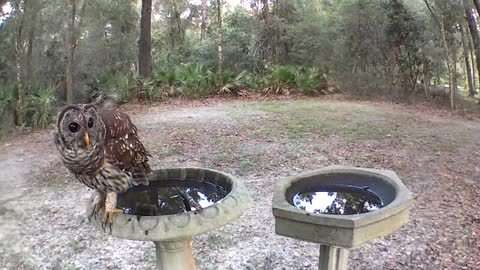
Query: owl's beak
x=86, y=139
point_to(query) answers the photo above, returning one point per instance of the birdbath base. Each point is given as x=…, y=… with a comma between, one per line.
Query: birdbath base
x=158, y=212
x=333, y=258
x=175, y=255
x=368, y=204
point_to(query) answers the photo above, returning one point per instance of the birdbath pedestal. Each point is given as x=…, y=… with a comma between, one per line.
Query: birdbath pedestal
x=316, y=207
x=159, y=215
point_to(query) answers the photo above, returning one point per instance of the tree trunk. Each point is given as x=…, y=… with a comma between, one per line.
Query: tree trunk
x=145, y=41
x=453, y=90
x=426, y=78
x=470, y=50
x=266, y=34
x=451, y=63
x=179, y=30
x=81, y=19
x=466, y=56
x=451, y=66
x=472, y=26
x=477, y=5
x=450, y=52
x=265, y=10
x=70, y=52
x=203, y=27
x=31, y=38
x=220, y=40
x=18, y=119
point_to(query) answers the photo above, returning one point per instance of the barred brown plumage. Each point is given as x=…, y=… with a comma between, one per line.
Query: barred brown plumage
x=102, y=149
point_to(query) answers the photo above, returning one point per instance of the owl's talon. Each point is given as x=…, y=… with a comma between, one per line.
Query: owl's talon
x=95, y=210
x=104, y=228
x=109, y=216
x=97, y=204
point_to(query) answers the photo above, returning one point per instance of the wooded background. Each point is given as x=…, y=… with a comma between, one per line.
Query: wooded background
x=55, y=52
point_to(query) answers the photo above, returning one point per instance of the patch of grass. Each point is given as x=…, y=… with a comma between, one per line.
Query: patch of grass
x=222, y=147
x=151, y=256
x=270, y=258
x=260, y=130
x=361, y=162
x=246, y=162
x=74, y=244
x=467, y=235
x=55, y=179
x=167, y=151
x=442, y=146
x=222, y=143
x=69, y=266
x=217, y=241
x=221, y=158
x=296, y=119
x=21, y=261
x=231, y=150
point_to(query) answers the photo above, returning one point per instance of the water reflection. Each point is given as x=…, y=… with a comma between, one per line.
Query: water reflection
x=338, y=200
x=161, y=198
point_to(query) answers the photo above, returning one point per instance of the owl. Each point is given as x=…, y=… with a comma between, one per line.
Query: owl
x=103, y=150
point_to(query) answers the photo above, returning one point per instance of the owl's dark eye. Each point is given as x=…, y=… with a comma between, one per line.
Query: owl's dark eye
x=90, y=122
x=73, y=127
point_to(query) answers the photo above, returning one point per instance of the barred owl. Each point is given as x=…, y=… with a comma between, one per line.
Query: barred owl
x=103, y=150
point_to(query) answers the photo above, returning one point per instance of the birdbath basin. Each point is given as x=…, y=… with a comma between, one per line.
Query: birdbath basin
x=158, y=213
x=340, y=208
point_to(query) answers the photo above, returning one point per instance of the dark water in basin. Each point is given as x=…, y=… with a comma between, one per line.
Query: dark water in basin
x=338, y=200
x=163, y=198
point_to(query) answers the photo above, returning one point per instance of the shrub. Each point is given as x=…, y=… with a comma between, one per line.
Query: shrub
x=119, y=88
x=308, y=80
x=284, y=75
x=255, y=81
x=193, y=80
x=165, y=77
x=8, y=99
x=41, y=106
x=280, y=79
x=150, y=89
x=233, y=83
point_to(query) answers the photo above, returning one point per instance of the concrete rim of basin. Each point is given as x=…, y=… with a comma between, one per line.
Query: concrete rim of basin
x=284, y=211
x=182, y=225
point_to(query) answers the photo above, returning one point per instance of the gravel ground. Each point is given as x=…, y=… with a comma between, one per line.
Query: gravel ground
x=43, y=224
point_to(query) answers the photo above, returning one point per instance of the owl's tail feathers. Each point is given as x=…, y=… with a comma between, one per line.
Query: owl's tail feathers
x=141, y=173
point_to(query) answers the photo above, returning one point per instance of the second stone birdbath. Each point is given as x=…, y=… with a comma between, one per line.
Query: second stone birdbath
x=167, y=211
x=340, y=208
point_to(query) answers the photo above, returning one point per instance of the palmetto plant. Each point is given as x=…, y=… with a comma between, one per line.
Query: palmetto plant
x=308, y=80
x=150, y=88
x=192, y=80
x=119, y=88
x=233, y=83
x=41, y=106
x=8, y=98
x=284, y=74
x=166, y=77
x=281, y=78
x=255, y=81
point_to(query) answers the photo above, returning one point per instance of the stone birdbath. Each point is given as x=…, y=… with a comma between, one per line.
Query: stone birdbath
x=159, y=213
x=340, y=208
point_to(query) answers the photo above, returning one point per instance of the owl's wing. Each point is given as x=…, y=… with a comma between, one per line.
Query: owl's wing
x=123, y=146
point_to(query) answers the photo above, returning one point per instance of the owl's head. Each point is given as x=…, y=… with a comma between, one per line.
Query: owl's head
x=80, y=126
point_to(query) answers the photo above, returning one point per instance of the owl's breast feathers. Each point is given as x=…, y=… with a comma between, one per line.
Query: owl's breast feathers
x=117, y=164
x=79, y=160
